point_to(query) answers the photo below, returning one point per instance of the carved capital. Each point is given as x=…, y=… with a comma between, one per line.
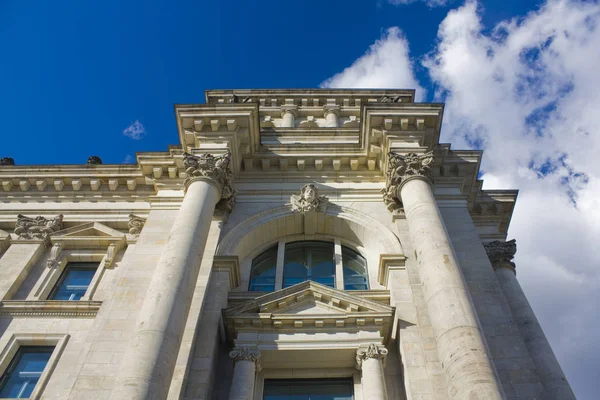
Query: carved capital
x=37, y=227
x=216, y=169
x=375, y=351
x=309, y=200
x=135, y=224
x=400, y=170
x=246, y=354
x=501, y=253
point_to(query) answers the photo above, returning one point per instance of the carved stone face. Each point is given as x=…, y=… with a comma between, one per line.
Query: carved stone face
x=310, y=194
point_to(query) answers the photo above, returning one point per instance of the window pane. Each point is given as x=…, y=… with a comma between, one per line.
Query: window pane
x=309, y=260
x=262, y=276
x=355, y=270
x=308, y=389
x=74, y=281
x=23, y=373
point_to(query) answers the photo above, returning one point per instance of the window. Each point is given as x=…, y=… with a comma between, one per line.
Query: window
x=74, y=281
x=308, y=389
x=309, y=261
x=355, y=270
x=24, y=371
x=262, y=276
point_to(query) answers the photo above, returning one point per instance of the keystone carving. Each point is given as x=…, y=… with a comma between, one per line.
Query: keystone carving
x=246, y=354
x=501, y=252
x=217, y=170
x=309, y=200
x=375, y=351
x=402, y=168
x=94, y=160
x=38, y=227
x=7, y=161
x=135, y=224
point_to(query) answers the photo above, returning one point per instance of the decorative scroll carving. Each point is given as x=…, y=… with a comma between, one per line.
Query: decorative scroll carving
x=216, y=169
x=402, y=168
x=54, y=254
x=135, y=224
x=7, y=161
x=111, y=252
x=38, y=227
x=375, y=351
x=94, y=160
x=309, y=200
x=501, y=252
x=246, y=354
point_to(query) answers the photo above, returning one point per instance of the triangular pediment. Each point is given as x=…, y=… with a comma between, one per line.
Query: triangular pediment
x=89, y=234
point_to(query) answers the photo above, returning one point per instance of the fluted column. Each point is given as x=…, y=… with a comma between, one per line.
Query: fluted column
x=553, y=379
x=461, y=345
x=247, y=362
x=289, y=113
x=148, y=363
x=331, y=114
x=370, y=361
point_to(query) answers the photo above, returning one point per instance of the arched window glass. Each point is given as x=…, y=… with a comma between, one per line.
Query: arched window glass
x=262, y=275
x=309, y=260
x=355, y=270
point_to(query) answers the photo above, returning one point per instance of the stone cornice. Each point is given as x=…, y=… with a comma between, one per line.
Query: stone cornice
x=49, y=308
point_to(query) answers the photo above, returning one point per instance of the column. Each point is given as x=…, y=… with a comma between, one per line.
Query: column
x=469, y=371
x=553, y=379
x=288, y=113
x=370, y=361
x=331, y=114
x=148, y=363
x=247, y=363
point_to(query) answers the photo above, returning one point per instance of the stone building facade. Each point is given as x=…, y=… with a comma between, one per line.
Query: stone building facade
x=295, y=243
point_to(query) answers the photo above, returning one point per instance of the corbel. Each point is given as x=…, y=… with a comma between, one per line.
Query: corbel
x=55, y=251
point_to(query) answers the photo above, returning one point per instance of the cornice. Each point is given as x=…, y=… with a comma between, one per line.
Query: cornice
x=49, y=308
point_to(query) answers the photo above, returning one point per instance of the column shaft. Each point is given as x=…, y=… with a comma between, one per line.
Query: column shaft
x=247, y=362
x=553, y=379
x=373, y=379
x=461, y=345
x=148, y=363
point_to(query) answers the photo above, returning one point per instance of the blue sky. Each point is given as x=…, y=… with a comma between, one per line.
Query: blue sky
x=519, y=78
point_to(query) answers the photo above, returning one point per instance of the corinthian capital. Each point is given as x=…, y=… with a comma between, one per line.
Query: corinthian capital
x=245, y=354
x=400, y=170
x=501, y=252
x=214, y=168
x=37, y=227
x=375, y=351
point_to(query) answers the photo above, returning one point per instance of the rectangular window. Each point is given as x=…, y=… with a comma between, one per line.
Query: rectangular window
x=74, y=281
x=24, y=371
x=309, y=261
x=308, y=389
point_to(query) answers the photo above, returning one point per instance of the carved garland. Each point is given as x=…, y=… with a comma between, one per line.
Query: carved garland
x=217, y=170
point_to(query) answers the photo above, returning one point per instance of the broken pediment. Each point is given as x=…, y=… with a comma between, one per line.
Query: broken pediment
x=309, y=306
x=88, y=235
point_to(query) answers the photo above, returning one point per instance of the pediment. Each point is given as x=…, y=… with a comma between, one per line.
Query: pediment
x=89, y=234
x=309, y=306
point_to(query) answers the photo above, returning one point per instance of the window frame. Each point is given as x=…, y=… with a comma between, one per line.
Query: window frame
x=72, y=266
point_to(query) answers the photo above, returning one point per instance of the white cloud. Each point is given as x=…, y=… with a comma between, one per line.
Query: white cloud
x=528, y=93
x=129, y=159
x=430, y=3
x=385, y=65
x=135, y=130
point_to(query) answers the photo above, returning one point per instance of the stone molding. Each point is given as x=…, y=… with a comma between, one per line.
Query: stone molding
x=373, y=351
x=501, y=253
x=50, y=308
x=217, y=170
x=400, y=170
x=387, y=263
x=309, y=200
x=135, y=224
x=246, y=354
x=38, y=227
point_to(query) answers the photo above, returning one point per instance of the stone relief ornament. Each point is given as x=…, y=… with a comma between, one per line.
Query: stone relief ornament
x=216, y=169
x=246, y=354
x=52, y=261
x=401, y=168
x=38, y=227
x=94, y=160
x=7, y=161
x=499, y=251
x=390, y=99
x=375, y=351
x=135, y=224
x=309, y=200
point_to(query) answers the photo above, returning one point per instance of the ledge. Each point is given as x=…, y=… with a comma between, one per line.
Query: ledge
x=49, y=308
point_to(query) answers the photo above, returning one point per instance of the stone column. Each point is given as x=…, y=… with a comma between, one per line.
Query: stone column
x=370, y=360
x=247, y=363
x=331, y=114
x=469, y=371
x=289, y=113
x=148, y=363
x=553, y=379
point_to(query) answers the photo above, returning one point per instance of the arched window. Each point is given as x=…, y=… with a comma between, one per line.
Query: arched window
x=262, y=276
x=309, y=261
